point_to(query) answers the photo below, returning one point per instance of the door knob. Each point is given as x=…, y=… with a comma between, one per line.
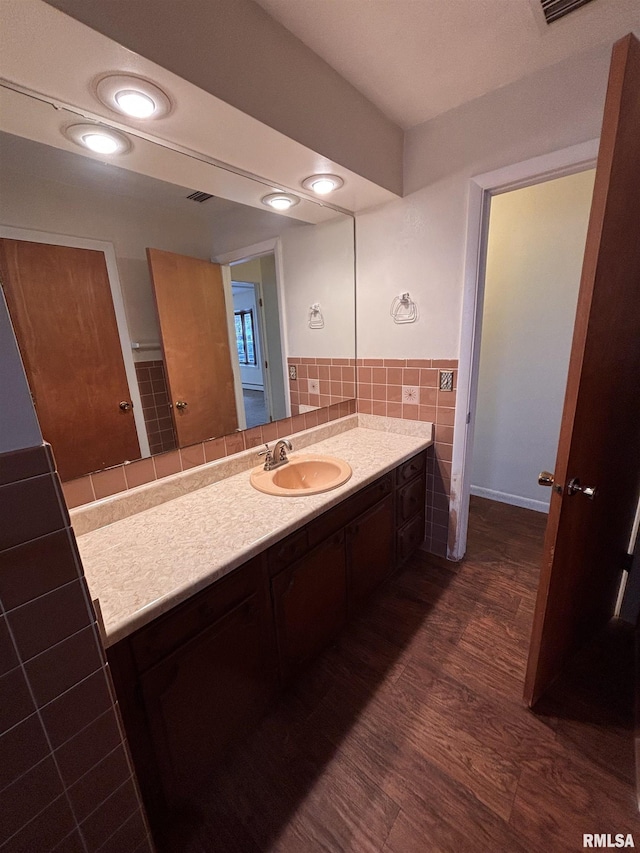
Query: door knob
x=574, y=486
x=181, y=404
x=546, y=478
x=126, y=406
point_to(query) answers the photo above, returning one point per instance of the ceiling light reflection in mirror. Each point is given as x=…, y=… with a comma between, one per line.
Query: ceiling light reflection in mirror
x=66, y=189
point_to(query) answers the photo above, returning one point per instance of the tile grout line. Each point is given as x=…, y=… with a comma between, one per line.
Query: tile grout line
x=65, y=791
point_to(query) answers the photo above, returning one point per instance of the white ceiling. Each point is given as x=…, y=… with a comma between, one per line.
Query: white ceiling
x=44, y=51
x=415, y=59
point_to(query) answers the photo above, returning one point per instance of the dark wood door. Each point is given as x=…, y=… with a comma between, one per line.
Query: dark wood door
x=370, y=543
x=60, y=304
x=204, y=697
x=599, y=440
x=195, y=338
x=310, y=604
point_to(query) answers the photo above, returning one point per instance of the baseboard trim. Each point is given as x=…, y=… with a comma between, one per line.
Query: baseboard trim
x=506, y=498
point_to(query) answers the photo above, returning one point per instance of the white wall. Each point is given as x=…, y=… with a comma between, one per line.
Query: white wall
x=534, y=260
x=18, y=422
x=418, y=243
x=131, y=225
x=318, y=266
x=274, y=338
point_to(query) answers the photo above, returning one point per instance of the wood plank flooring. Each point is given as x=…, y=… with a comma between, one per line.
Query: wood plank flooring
x=410, y=736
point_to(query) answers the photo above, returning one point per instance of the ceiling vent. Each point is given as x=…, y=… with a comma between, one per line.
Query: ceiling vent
x=199, y=197
x=556, y=9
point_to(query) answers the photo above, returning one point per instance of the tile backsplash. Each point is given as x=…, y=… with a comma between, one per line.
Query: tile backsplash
x=395, y=388
x=321, y=382
x=120, y=478
x=409, y=388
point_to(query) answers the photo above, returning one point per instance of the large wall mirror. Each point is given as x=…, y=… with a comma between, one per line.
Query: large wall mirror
x=157, y=302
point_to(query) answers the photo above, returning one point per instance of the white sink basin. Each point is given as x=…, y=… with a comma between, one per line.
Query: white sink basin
x=304, y=474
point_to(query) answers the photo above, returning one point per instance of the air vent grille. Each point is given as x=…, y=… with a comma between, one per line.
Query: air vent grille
x=199, y=197
x=555, y=9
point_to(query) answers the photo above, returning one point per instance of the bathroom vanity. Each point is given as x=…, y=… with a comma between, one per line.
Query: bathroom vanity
x=196, y=677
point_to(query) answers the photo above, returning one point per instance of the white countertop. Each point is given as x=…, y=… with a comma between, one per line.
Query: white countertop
x=143, y=565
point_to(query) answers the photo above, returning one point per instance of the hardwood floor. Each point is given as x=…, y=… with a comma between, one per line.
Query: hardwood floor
x=410, y=734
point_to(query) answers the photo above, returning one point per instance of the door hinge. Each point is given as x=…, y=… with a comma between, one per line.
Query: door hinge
x=260, y=302
x=266, y=365
x=468, y=417
x=627, y=562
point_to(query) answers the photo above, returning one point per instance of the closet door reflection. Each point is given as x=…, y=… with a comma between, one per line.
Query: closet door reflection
x=194, y=330
x=60, y=303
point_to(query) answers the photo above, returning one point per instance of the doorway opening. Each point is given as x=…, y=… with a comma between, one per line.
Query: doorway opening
x=248, y=323
x=482, y=190
x=535, y=247
x=258, y=339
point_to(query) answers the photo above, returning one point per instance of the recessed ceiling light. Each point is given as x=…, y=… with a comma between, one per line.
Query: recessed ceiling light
x=101, y=143
x=135, y=104
x=133, y=96
x=100, y=140
x=280, y=201
x=322, y=184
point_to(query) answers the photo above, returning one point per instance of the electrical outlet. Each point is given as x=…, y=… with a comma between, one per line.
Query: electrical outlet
x=446, y=380
x=293, y=371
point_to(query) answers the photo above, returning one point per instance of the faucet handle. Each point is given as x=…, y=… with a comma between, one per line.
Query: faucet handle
x=268, y=457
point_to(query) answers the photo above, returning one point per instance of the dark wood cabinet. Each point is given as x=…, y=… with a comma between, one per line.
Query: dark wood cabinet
x=310, y=604
x=193, y=682
x=410, y=506
x=370, y=551
x=205, y=696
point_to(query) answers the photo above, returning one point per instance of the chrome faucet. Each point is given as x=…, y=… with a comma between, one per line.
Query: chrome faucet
x=280, y=452
x=273, y=459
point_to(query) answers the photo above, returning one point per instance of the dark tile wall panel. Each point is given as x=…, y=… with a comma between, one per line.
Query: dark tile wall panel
x=154, y=393
x=62, y=754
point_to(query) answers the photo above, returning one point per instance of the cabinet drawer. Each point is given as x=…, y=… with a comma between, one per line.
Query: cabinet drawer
x=409, y=537
x=167, y=633
x=288, y=551
x=411, y=468
x=410, y=500
x=338, y=517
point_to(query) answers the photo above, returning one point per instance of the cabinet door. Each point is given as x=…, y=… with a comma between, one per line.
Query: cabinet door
x=409, y=538
x=206, y=695
x=310, y=603
x=370, y=545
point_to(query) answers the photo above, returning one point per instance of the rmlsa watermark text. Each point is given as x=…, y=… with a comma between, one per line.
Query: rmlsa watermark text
x=604, y=839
